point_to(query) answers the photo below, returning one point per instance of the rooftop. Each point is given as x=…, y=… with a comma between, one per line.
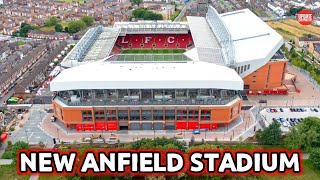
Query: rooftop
x=95, y=45
x=250, y=34
x=153, y=27
x=113, y=75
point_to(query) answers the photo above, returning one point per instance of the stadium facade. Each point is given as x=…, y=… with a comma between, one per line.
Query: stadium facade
x=102, y=89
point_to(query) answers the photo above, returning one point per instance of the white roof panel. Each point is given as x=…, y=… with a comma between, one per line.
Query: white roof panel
x=202, y=35
x=117, y=75
x=253, y=39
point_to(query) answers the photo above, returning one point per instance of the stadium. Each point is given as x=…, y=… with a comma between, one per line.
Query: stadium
x=160, y=75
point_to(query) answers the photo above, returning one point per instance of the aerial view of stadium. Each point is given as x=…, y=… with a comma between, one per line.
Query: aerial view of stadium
x=159, y=90
x=168, y=75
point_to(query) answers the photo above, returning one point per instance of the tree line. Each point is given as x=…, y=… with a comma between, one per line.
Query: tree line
x=145, y=14
x=72, y=26
x=305, y=136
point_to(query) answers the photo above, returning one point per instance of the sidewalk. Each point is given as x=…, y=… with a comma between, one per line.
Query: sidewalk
x=5, y=161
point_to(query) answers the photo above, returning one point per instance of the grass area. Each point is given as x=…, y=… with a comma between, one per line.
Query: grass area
x=9, y=172
x=309, y=173
x=152, y=57
x=20, y=43
x=52, y=178
x=153, y=51
x=51, y=28
x=184, y=19
x=290, y=28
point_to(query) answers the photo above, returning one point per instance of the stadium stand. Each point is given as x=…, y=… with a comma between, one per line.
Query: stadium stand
x=157, y=41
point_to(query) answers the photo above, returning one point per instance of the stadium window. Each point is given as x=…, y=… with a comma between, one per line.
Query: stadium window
x=87, y=115
x=205, y=114
x=248, y=67
x=241, y=69
x=254, y=76
x=238, y=70
x=245, y=68
x=99, y=115
x=253, y=81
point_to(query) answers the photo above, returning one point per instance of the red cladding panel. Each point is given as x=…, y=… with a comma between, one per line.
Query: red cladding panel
x=181, y=125
x=193, y=125
x=112, y=126
x=205, y=126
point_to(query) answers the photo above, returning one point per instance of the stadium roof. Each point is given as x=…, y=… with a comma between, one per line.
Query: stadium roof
x=233, y=38
x=207, y=47
x=252, y=38
x=152, y=27
x=95, y=45
x=183, y=75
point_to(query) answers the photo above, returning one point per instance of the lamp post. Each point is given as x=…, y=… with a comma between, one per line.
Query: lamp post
x=27, y=136
x=58, y=134
x=205, y=134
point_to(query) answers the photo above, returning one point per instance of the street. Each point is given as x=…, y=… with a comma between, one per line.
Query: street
x=183, y=11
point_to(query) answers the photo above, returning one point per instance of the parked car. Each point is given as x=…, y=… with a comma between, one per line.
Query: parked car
x=281, y=109
x=196, y=131
x=178, y=136
x=263, y=101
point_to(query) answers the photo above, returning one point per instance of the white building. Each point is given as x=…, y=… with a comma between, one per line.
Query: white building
x=276, y=9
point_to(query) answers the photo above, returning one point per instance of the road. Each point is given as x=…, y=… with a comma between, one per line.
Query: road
x=183, y=11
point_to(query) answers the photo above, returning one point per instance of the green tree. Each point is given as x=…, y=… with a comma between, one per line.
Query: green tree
x=315, y=158
x=161, y=143
x=306, y=135
x=146, y=14
x=293, y=11
x=58, y=28
x=137, y=2
x=88, y=20
x=76, y=26
x=270, y=135
x=15, y=148
x=24, y=29
x=66, y=29
x=52, y=21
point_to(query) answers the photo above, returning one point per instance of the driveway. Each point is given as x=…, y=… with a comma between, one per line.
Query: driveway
x=31, y=132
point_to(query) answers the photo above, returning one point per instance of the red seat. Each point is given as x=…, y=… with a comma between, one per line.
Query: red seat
x=158, y=41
